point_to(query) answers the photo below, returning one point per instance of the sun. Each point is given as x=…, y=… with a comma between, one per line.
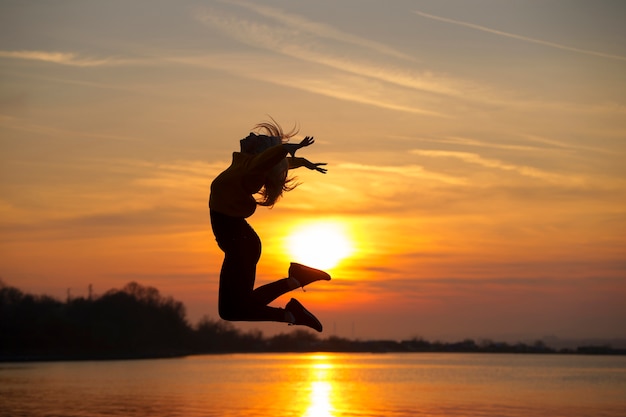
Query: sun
x=320, y=245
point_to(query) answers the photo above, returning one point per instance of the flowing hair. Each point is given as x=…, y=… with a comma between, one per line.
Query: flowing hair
x=276, y=181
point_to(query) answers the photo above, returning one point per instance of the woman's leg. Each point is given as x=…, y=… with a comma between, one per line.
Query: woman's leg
x=267, y=293
x=299, y=276
x=242, y=248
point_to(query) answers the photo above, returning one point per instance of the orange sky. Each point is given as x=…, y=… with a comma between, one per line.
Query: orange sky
x=475, y=155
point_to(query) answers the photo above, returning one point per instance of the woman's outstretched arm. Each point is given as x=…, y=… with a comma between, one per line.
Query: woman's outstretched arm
x=296, y=162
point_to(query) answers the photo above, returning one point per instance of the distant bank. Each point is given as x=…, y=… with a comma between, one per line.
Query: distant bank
x=137, y=322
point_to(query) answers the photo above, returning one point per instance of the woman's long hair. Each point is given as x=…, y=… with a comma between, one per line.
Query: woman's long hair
x=276, y=181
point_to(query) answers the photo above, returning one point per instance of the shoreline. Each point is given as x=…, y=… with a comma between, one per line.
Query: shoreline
x=31, y=358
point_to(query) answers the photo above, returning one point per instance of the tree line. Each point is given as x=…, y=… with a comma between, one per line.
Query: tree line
x=138, y=322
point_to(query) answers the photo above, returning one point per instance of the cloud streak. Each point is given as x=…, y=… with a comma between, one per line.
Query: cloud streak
x=280, y=39
x=319, y=44
x=318, y=29
x=14, y=123
x=543, y=144
x=63, y=58
x=338, y=86
x=302, y=39
x=523, y=170
x=410, y=171
x=519, y=37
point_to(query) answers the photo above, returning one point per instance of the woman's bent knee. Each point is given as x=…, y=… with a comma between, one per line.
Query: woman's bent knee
x=231, y=311
x=226, y=313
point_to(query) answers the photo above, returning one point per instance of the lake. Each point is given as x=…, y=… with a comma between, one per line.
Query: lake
x=320, y=385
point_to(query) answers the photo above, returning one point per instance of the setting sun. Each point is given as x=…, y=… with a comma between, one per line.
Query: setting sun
x=320, y=245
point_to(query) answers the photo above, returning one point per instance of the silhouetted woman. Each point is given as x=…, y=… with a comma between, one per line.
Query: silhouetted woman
x=260, y=170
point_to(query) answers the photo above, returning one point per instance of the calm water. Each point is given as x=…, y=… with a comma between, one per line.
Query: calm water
x=320, y=385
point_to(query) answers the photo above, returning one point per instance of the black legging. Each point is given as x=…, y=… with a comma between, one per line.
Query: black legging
x=238, y=300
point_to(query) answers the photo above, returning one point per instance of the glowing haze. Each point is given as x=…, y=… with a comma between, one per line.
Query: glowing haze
x=475, y=155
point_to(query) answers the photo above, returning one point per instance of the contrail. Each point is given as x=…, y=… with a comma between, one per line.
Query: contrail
x=519, y=37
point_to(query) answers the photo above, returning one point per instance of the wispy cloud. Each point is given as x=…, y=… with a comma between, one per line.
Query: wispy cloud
x=306, y=40
x=63, y=58
x=195, y=175
x=524, y=170
x=474, y=143
x=557, y=144
x=14, y=123
x=527, y=143
x=316, y=43
x=518, y=37
x=320, y=29
x=411, y=171
x=163, y=195
x=338, y=85
x=357, y=96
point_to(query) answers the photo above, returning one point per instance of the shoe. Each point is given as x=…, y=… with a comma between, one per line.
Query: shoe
x=306, y=275
x=302, y=315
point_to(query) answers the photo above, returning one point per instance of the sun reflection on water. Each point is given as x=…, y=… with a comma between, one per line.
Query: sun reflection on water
x=320, y=400
x=320, y=404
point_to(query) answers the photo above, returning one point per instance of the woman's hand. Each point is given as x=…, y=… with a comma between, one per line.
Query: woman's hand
x=315, y=166
x=293, y=147
x=308, y=140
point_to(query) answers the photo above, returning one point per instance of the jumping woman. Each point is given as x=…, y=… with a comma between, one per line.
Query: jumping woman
x=259, y=170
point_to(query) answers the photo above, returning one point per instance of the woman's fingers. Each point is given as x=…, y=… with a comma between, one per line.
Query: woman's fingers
x=308, y=140
x=320, y=169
